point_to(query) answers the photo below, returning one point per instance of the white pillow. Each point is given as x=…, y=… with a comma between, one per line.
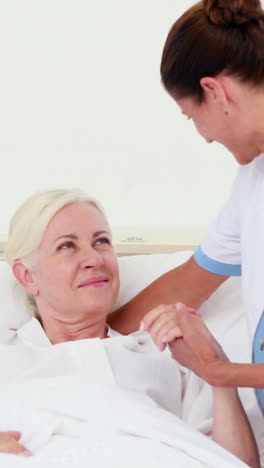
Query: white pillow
x=137, y=271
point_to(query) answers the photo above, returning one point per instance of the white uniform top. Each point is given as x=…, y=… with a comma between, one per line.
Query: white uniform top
x=132, y=362
x=235, y=241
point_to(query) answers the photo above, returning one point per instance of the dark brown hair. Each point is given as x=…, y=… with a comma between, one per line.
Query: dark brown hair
x=211, y=37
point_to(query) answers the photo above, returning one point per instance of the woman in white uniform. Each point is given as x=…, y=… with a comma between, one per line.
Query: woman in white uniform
x=213, y=67
x=61, y=253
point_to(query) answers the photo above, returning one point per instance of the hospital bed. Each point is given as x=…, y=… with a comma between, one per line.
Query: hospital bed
x=224, y=316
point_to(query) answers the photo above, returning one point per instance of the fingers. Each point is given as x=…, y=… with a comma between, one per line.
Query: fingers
x=171, y=335
x=9, y=444
x=166, y=323
x=15, y=434
x=199, y=338
x=152, y=315
x=190, y=324
x=165, y=330
x=162, y=324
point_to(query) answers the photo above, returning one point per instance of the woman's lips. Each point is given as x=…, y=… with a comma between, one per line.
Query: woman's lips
x=94, y=282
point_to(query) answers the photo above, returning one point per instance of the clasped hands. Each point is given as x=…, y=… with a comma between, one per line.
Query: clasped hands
x=189, y=340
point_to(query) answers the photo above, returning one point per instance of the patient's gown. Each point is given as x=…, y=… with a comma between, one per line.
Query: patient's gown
x=132, y=362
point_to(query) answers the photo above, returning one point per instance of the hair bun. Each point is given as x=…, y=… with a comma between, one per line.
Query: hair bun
x=236, y=12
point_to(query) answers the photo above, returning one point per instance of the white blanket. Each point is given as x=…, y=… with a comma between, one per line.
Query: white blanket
x=72, y=422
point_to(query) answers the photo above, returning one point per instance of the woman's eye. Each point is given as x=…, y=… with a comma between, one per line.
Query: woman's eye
x=103, y=240
x=66, y=245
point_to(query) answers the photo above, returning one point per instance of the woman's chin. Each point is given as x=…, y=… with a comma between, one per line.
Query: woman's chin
x=245, y=158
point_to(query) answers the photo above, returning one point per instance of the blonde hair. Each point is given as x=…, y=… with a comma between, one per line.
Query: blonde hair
x=30, y=221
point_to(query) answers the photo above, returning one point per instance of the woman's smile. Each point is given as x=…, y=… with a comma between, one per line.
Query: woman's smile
x=96, y=282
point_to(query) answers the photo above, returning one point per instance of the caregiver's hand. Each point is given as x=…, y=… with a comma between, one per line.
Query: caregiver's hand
x=162, y=322
x=9, y=444
x=197, y=349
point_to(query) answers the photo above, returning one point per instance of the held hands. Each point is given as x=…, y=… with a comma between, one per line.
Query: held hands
x=9, y=444
x=163, y=324
x=189, y=340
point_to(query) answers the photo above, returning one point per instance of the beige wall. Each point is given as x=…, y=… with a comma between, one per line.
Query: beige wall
x=82, y=105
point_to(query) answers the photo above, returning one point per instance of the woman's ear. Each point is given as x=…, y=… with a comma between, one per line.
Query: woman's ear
x=214, y=91
x=25, y=277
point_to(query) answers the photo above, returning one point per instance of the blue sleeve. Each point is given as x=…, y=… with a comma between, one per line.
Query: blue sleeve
x=214, y=266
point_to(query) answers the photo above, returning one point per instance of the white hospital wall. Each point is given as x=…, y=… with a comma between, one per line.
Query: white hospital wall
x=81, y=104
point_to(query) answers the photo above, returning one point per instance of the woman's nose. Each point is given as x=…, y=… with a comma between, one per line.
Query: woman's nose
x=91, y=259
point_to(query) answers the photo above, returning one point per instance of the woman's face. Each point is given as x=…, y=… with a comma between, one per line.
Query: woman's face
x=233, y=128
x=77, y=269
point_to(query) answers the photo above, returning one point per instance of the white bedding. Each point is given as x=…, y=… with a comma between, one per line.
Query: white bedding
x=73, y=422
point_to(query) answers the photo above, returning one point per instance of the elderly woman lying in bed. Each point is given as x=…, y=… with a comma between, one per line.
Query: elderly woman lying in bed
x=61, y=253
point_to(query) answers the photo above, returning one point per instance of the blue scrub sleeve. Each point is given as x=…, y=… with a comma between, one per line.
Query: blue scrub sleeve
x=215, y=266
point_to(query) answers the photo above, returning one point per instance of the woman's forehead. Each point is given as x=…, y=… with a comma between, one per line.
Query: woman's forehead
x=76, y=217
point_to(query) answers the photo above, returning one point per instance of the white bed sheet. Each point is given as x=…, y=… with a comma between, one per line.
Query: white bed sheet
x=73, y=422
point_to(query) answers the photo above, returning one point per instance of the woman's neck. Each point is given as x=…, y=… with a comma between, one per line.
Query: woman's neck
x=59, y=331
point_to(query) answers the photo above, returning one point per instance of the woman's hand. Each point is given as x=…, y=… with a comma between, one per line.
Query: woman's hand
x=189, y=340
x=197, y=349
x=162, y=324
x=9, y=444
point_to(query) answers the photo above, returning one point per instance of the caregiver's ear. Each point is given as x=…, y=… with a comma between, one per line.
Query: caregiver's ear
x=214, y=89
x=25, y=277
